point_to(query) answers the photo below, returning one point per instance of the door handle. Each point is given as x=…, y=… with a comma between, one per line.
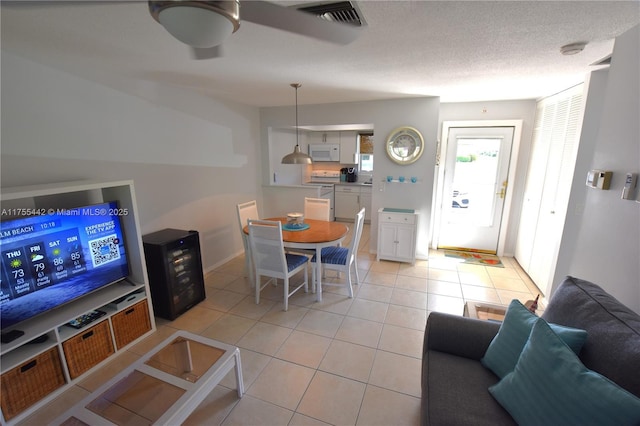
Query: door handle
x=503, y=190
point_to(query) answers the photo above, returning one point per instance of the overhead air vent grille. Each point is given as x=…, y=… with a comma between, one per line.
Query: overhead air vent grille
x=604, y=61
x=343, y=11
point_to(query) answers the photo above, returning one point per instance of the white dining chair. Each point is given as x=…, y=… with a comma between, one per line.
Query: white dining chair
x=270, y=259
x=341, y=259
x=317, y=208
x=246, y=211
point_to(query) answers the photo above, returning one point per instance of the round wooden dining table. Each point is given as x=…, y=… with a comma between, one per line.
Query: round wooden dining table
x=318, y=235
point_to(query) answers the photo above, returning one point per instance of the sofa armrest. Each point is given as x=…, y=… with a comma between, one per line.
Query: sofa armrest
x=456, y=335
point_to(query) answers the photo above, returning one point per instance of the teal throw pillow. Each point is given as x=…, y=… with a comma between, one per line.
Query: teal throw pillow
x=503, y=351
x=551, y=386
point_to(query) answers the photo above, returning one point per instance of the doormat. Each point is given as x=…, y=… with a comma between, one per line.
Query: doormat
x=475, y=258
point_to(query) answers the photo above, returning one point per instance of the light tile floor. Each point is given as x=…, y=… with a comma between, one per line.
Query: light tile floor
x=343, y=361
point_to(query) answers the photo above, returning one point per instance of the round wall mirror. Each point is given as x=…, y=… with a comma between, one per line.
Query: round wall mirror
x=405, y=145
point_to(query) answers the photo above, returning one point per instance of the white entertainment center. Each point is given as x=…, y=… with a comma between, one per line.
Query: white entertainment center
x=51, y=356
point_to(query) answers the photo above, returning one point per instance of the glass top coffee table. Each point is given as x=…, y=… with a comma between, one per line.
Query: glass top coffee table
x=484, y=311
x=163, y=387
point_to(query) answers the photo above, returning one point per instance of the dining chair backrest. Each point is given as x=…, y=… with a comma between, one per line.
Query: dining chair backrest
x=270, y=260
x=317, y=208
x=267, y=247
x=341, y=259
x=246, y=211
x=357, y=233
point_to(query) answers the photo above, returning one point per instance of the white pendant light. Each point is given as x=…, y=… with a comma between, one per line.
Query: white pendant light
x=297, y=156
x=199, y=24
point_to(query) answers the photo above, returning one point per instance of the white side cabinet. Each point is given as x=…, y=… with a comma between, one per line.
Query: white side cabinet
x=397, y=231
x=51, y=356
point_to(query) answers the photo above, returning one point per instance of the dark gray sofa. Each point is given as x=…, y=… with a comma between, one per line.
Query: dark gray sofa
x=455, y=384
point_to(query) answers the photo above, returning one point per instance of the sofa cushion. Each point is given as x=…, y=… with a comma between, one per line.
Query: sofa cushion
x=550, y=385
x=504, y=350
x=456, y=335
x=613, y=343
x=455, y=392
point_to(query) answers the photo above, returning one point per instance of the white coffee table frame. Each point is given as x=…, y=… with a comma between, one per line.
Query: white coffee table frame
x=187, y=403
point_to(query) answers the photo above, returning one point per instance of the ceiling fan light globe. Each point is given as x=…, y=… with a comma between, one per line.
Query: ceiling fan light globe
x=196, y=27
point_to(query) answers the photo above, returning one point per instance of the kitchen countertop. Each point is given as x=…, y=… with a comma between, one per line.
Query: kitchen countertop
x=313, y=186
x=291, y=186
x=353, y=184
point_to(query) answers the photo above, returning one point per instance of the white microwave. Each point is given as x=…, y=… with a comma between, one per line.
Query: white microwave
x=325, y=152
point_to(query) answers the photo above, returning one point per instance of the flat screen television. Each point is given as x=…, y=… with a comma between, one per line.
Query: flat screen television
x=51, y=259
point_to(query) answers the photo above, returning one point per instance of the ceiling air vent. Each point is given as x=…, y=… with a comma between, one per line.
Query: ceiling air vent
x=343, y=11
x=604, y=61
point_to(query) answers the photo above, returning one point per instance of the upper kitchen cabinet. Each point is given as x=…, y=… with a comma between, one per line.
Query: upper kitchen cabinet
x=324, y=137
x=348, y=141
x=349, y=147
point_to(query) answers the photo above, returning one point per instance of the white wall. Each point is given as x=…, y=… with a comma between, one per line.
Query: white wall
x=192, y=158
x=601, y=240
x=524, y=110
x=176, y=187
x=421, y=113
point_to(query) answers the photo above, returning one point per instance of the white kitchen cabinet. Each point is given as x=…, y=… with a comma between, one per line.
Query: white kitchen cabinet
x=349, y=199
x=348, y=141
x=324, y=137
x=365, y=201
x=397, y=234
x=349, y=147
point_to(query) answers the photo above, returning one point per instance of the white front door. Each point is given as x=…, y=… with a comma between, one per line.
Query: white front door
x=475, y=184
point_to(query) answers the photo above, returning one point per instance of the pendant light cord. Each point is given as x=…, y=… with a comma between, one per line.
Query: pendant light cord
x=296, y=86
x=297, y=156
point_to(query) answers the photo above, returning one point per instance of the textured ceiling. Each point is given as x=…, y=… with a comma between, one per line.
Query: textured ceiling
x=460, y=51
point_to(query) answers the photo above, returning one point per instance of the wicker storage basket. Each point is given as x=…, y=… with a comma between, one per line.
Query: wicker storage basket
x=30, y=382
x=88, y=348
x=131, y=323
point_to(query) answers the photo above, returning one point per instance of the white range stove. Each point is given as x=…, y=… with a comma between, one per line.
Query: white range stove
x=325, y=179
x=324, y=176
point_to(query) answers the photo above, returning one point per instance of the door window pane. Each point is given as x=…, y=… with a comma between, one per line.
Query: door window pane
x=474, y=181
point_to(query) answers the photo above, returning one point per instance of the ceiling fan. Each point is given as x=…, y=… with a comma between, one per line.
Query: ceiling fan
x=204, y=25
